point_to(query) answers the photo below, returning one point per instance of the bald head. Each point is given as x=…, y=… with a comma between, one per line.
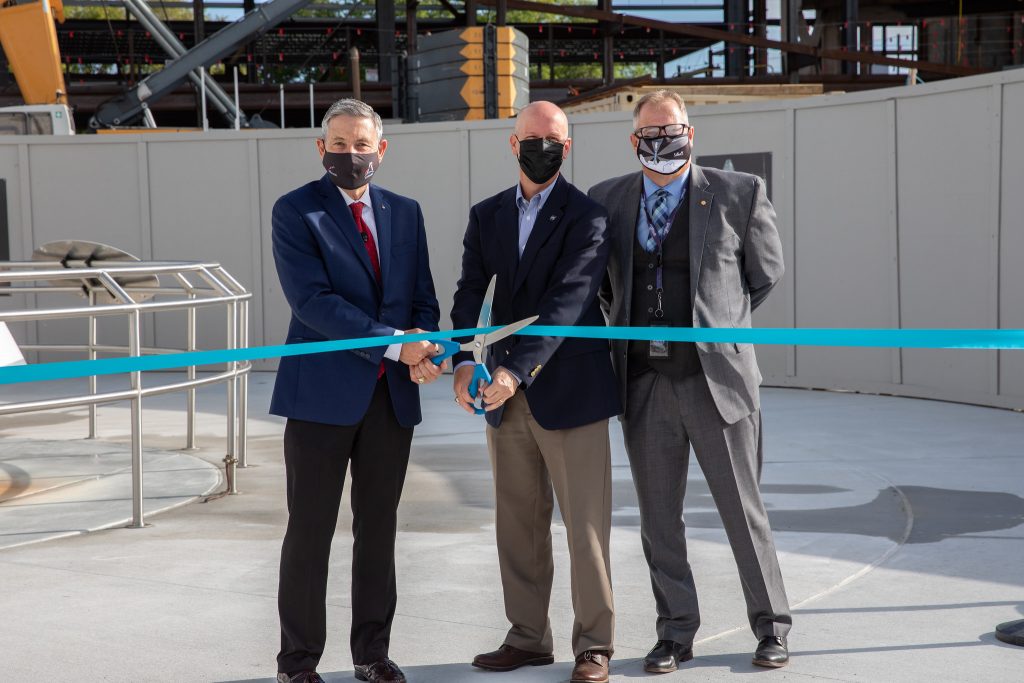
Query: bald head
x=540, y=143
x=542, y=120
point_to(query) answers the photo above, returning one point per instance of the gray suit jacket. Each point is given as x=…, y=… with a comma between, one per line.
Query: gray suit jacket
x=735, y=260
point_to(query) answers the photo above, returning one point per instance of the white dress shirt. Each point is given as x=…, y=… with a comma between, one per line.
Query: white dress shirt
x=394, y=351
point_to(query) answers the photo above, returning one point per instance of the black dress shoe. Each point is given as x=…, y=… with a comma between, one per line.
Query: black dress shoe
x=382, y=671
x=300, y=677
x=666, y=657
x=771, y=652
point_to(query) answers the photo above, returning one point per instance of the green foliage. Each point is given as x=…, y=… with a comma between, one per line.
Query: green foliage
x=531, y=17
x=592, y=70
x=115, y=11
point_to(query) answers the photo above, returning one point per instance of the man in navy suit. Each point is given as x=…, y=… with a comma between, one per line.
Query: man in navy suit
x=550, y=398
x=352, y=260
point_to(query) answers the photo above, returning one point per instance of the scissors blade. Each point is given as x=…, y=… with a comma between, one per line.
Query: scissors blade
x=485, y=308
x=508, y=330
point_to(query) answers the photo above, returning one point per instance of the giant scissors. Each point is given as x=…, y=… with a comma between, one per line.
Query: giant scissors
x=479, y=343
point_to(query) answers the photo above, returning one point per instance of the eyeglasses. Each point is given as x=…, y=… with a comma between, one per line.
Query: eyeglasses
x=552, y=140
x=671, y=130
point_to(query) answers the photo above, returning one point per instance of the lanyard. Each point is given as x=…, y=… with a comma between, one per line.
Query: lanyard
x=659, y=240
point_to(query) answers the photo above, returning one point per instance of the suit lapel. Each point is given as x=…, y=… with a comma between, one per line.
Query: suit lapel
x=549, y=218
x=507, y=225
x=700, y=199
x=382, y=217
x=629, y=215
x=338, y=210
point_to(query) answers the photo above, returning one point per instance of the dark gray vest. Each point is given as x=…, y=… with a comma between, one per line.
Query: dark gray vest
x=683, y=360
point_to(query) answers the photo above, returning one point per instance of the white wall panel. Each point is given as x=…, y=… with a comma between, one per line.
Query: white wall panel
x=202, y=208
x=90, y=192
x=947, y=233
x=1011, y=246
x=845, y=249
x=601, y=150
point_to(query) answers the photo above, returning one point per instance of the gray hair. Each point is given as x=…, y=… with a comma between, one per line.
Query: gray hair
x=355, y=108
x=657, y=97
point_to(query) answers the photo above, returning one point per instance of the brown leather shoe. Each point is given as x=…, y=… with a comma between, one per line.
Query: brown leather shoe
x=507, y=658
x=591, y=667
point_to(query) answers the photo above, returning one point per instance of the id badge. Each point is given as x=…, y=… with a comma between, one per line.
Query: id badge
x=659, y=349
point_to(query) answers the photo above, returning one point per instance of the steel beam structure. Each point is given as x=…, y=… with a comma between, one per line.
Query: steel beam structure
x=129, y=106
x=742, y=39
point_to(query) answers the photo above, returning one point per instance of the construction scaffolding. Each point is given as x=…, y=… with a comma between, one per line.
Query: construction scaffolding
x=573, y=48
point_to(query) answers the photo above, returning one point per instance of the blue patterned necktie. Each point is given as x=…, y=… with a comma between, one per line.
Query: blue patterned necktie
x=657, y=220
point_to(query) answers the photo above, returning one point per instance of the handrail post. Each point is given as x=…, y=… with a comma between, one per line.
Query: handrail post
x=135, y=349
x=232, y=408
x=190, y=372
x=93, y=385
x=243, y=385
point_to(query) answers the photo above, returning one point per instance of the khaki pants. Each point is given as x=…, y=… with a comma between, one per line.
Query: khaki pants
x=528, y=461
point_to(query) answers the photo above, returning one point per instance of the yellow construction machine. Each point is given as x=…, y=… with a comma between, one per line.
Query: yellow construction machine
x=29, y=40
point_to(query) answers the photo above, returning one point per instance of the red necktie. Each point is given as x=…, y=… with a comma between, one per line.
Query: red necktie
x=371, y=250
x=368, y=242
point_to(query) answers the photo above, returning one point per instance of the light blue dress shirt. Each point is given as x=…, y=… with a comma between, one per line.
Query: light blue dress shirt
x=529, y=211
x=676, y=193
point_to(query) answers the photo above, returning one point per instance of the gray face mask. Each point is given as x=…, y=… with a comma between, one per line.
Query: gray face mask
x=665, y=154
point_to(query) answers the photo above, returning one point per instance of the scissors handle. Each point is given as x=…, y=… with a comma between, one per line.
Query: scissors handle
x=480, y=372
x=450, y=349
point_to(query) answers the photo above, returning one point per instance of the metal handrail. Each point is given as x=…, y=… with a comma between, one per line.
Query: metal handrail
x=198, y=284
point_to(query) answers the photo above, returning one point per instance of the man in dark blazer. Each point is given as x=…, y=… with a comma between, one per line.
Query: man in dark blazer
x=352, y=260
x=550, y=398
x=692, y=247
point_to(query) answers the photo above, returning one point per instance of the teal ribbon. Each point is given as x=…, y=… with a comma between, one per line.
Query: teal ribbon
x=876, y=338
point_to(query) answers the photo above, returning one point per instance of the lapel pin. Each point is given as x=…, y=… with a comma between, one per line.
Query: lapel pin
x=553, y=218
x=703, y=202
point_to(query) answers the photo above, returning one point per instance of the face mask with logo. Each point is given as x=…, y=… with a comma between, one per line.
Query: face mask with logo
x=351, y=170
x=540, y=159
x=665, y=154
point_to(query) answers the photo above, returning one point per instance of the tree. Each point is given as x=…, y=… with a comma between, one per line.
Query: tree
x=114, y=11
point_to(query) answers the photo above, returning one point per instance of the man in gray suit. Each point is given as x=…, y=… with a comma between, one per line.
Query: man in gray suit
x=692, y=247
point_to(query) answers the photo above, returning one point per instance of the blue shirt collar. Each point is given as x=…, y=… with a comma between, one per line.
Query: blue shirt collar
x=541, y=196
x=675, y=188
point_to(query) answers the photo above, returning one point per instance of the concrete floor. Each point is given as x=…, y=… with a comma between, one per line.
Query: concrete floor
x=900, y=526
x=53, y=489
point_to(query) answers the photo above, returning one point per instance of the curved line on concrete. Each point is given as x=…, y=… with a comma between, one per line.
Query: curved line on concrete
x=127, y=520
x=860, y=573
x=20, y=481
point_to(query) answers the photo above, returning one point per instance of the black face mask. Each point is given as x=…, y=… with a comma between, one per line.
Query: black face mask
x=540, y=159
x=351, y=170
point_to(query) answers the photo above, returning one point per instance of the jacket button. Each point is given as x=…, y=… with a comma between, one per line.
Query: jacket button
x=650, y=287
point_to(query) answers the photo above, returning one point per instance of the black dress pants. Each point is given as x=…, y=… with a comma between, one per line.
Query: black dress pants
x=376, y=450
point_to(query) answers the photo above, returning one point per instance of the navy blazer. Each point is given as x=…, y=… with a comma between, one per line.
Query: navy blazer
x=568, y=382
x=328, y=280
